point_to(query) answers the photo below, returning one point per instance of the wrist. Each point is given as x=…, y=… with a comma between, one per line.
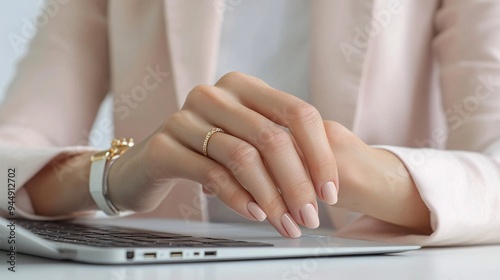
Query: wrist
x=127, y=181
x=101, y=163
x=135, y=182
x=386, y=191
x=61, y=187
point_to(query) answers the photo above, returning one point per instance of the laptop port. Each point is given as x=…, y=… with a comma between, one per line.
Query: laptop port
x=130, y=255
x=210, y=253
x=149, y=255
x=176, y=254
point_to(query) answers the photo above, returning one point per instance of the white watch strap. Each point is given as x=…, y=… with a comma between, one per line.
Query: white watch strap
x=98, y=186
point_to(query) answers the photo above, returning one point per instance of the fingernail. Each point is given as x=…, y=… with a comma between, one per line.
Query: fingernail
x=256, y=211
x=290, y=226
x=329, y=193
x=309, y=216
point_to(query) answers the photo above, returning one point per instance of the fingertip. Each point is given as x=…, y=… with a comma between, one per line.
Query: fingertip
x=309, y=216
x=291, y=228
x=256, y=211
x=329, y=193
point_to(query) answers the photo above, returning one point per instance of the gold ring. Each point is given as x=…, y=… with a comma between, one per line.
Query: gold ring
x=209, y=134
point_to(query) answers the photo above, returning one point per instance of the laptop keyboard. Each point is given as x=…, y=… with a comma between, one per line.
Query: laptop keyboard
x=111, y=236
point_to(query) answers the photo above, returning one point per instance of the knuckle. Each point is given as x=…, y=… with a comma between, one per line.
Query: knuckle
x=237, y=197
x=277, y=139
x=245, y=154
x=205, y=94
x=175, y=120
x=302, y=189
x=325, y=163
x=275, y=206
x=231, y=78
x=235, y=78
x=202, y=89
x=305, y=113
x=200, y=93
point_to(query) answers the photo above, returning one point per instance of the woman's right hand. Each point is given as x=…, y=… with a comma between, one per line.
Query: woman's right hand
x=271, y=162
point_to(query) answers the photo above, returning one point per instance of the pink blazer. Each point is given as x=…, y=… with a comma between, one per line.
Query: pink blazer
x=421, y=78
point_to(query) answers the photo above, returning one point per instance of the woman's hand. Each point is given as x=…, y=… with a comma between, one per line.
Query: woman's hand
x=375, y=182
x=272, y=160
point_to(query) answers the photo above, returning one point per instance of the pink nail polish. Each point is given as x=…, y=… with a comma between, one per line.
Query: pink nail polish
x=329, y=193
x=290, y=226
x=309, y=216
x=256, y=211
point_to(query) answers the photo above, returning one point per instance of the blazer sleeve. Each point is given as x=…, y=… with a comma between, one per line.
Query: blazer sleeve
x=54, y=97
x=460, y=185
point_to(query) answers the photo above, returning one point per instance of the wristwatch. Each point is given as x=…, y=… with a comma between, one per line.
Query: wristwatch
x=99, y=170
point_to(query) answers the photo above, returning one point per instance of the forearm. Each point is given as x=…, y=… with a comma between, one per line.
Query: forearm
x=53, y=192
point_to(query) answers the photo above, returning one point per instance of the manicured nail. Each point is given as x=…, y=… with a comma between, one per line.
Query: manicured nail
x=329, y=193
x=309, y=216
x=256, y=211
x=290, y=226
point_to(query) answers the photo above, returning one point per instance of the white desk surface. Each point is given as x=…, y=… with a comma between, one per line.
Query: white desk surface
x=478, y=262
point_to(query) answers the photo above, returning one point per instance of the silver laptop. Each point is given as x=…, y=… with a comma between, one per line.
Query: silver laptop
x=167, y=241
